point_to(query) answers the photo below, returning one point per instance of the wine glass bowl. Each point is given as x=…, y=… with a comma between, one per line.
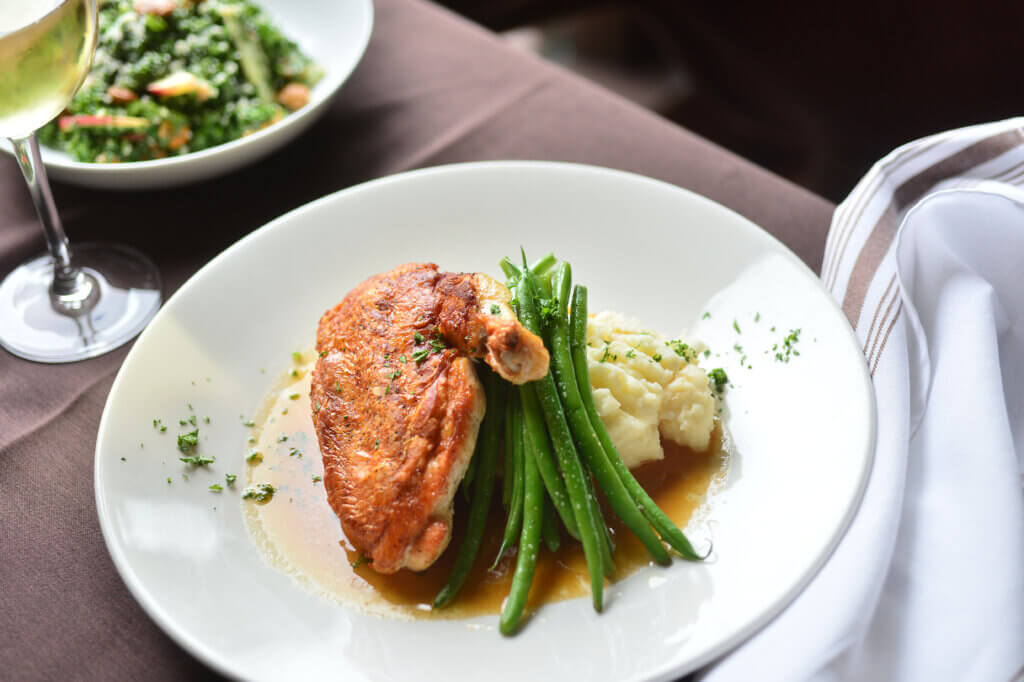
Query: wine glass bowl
x=67, y=305
x=43, y=62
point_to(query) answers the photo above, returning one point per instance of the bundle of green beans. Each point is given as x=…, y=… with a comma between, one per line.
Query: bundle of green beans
x=555, y=448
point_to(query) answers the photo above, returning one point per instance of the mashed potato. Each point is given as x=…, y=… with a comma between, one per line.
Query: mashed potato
x=646, y=387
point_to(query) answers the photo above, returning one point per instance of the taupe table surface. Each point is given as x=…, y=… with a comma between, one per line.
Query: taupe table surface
x=432, y=89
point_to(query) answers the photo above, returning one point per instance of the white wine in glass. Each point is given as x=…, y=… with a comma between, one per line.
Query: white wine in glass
x=66, y=305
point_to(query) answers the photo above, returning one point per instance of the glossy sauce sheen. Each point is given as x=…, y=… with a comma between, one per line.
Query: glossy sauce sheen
x=302, y=536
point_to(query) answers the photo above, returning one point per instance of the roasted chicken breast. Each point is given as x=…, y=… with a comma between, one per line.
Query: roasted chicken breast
x=397, y=404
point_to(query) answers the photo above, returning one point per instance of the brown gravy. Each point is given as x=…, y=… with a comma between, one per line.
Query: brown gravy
x=301, y=535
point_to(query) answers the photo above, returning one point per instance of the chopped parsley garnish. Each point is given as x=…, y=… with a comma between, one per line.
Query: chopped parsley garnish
x=421, y=355
x=158, y=424
x=718, y=378
x=294, y=396
x=495, y=309
x=401, y=358
x=656, y=357
x=707, y=352
x=316, y=407
x=294, y=373
x=607, y=354
x=417, y=337
x=296, y=356
x=230, y=478
x=738, y=348
x=168, y=480
x=261, y=493
x=317, y=479
x=323, y=353
x=548, y=310
x=394, y=375
x=294, y=452
x=437, y=344
x=757, y=317
x=282, y=438
x=736, y=326
x=788, y=346
x=216, y=488
x=248, y=422
x=197, y=460
x=254, y=457
x=376, y=443
x=706, y=316
x=361, y=560
x=206, y=420
x=682, y=350
x=337, y=386
x=187, y=441
x=631, y=353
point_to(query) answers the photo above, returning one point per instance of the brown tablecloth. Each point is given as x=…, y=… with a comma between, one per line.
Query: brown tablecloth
x=431, y=89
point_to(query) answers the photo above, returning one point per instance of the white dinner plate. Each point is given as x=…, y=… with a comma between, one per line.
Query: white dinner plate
x=334, y=34
x=803, y=430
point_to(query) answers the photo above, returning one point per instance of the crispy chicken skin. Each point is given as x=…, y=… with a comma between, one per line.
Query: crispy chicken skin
x=397, y=404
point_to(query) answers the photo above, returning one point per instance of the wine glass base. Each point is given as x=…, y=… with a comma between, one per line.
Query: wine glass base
x=35, y=325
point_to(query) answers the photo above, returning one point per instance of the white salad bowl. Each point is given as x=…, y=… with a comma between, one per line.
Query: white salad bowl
x=334, y=34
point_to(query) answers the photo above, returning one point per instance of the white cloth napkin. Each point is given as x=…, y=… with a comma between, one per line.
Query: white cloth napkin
x=926, y=257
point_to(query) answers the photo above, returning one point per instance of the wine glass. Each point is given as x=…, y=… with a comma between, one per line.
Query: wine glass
x=66, y=305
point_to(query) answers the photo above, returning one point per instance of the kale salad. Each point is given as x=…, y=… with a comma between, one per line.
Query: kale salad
x=176, y=76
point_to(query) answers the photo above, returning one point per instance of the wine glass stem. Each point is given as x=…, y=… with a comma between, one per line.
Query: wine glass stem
x=66, y=277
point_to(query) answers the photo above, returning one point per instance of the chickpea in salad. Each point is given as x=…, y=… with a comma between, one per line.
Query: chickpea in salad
x=176, y=76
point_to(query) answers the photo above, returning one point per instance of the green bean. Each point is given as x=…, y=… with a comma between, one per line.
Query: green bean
x=568, y=459
x=549, y=531
x=536, y=430
x=540, y=446
x=589, y=445
x=607, y=544
x=480, y=506
x=543, y=267
x=513, y=426
x=508, y=468
x=512, y=272
x=529, y=547
x=669, y=532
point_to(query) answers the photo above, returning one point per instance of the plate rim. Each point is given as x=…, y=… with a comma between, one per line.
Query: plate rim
x=210, y=657
x=90, y=174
